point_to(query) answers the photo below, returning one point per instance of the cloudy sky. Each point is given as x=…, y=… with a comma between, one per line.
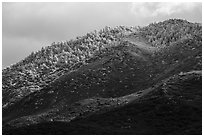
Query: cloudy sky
x=29, y=26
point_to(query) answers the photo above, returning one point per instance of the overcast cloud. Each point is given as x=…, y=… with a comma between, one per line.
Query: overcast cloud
x=29, y=26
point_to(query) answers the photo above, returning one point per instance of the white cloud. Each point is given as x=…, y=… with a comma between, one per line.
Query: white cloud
x=161, y=8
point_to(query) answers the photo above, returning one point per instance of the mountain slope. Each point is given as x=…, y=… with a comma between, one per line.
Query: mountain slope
x=117, y=67
x=42, y=67
x=107, y=72
x=92, y=80
x=171, y=107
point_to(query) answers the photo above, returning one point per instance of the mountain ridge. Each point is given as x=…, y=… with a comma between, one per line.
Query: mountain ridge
x=102, y=71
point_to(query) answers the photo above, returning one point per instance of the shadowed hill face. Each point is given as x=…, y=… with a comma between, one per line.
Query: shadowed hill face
x=172, y=107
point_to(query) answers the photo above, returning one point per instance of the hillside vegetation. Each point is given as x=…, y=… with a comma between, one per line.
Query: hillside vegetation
x=151, y=74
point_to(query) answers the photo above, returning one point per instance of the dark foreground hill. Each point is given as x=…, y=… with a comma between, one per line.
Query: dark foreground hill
x=115, y=81
x=170, y=107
